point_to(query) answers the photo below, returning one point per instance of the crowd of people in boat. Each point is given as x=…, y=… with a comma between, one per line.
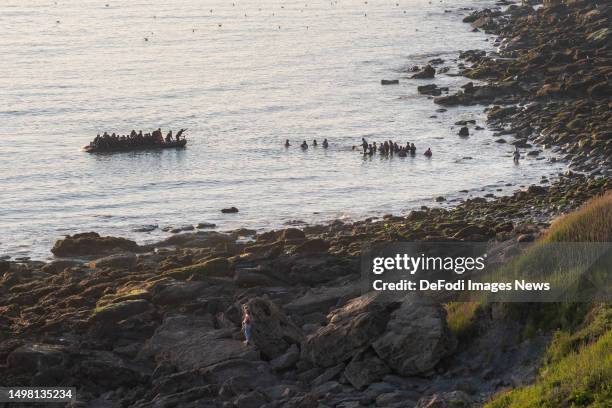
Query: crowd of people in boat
x=135, y=139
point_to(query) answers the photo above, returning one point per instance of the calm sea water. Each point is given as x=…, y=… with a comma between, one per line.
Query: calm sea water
x=242, y=77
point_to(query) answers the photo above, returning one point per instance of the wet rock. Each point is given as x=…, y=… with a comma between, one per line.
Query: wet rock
x=473, y=230
x=146, y=228
x=206, y=225
x=125, y=260
x=230, y=210
x=389, y=81
x=217, y=267
x=431, y=89
x=537, y=190
x=58, y=266
x=313, y=246
x=91, y=244
x=427, y=72
x=464, y=131
x=292, y=234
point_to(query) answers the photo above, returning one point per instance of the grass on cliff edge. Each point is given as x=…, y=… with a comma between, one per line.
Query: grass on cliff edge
x=577, y=368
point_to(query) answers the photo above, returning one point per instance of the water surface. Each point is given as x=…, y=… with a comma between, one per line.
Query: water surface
x=242, y=77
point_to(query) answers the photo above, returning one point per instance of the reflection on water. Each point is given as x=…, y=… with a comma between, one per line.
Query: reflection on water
x=241, y=85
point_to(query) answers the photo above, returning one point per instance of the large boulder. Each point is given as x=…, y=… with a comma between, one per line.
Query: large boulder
x=416, y=337
x=107, y=370
x=218, y=267
x=200, y=239
x=320, y=268
x=172, y=292
x=427, y=72
x=37, y=356
x=273, y=332
x=114, y=312
x=321, y=300
x=350, y=330
x=92, y=244
x=313, y=246
x=188, y=343
x=118, y=261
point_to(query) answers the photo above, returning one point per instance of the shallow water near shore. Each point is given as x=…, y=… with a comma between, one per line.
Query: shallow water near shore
x=242, y=79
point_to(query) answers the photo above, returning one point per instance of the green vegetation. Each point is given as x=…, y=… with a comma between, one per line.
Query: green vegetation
x=461, y=317
x=577, y=371
x=577, y=368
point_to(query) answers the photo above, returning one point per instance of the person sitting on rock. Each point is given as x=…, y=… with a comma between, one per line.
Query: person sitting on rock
x=247, y=325
x=325, y=144
x=428, y=152
x=287, y=144
x=304, y=145
x=314, y=143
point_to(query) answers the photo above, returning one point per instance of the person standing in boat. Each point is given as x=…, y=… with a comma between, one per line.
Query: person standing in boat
x=169, y=137
x=179, y=134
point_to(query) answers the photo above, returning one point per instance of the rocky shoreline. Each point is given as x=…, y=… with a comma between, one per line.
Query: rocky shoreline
x=159, y=325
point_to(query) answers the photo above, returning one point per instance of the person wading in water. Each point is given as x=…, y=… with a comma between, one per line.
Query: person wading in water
x=247, y=325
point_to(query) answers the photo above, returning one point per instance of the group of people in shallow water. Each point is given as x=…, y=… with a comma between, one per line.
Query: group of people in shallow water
x=389, y=147
x=135, y=139
x=304, y=144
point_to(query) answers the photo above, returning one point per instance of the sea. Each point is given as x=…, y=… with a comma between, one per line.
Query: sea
x=242, y=77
